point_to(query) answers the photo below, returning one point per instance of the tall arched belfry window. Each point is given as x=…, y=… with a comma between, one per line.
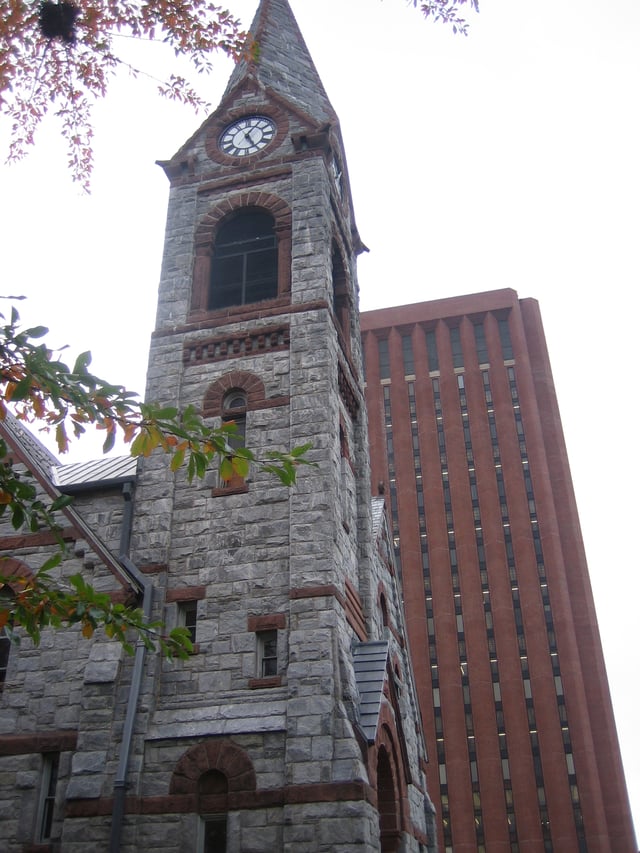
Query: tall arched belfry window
x=244, y=266
x=341, y=297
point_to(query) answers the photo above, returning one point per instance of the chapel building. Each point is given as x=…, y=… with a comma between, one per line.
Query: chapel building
x=295, y=725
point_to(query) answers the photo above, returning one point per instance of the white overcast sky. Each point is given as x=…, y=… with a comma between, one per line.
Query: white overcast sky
x=510, y=158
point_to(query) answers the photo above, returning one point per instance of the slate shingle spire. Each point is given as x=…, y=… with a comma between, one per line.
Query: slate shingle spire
x=283, y=63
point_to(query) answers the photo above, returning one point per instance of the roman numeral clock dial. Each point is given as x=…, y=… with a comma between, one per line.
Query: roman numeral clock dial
x=246, y=136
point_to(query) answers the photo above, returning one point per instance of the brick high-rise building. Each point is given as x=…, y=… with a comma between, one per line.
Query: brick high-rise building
x=465, y=434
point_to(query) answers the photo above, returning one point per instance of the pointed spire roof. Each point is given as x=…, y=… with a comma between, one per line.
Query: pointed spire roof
x=283, y=63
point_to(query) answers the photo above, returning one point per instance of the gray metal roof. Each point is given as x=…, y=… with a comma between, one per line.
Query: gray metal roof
x=110, y=470
x=18, y=432
x=370, y=665
x=377, y=514
x=105, y=471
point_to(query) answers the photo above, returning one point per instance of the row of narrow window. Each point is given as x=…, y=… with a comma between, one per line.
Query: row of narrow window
x=409, y=368
x=384, y=360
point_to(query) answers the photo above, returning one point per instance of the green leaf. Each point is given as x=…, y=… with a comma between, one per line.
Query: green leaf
x=82, y=362
x=240, y=466
x=109, y=442
x=226, y=469
x=36, y=332
x=61, y=502
x=177, y=459
x=17, y=517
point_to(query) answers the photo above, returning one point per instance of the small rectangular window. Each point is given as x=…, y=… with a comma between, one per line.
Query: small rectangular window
x=47, y=800
x=267, y=653
x=188, y=617
x=213, y=834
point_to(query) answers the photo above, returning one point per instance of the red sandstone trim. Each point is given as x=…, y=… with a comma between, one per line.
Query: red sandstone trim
x=242, y=380
x=205, y=241
x=215, y=320
x=186, y=593
x=236, y=490
x=354, y=612
x=154, y=568
x=266, y=622
x=25, y=744
x=271, y=681
x=329, y=792
x=318, y=592
x=44, y=537
x=249, y=343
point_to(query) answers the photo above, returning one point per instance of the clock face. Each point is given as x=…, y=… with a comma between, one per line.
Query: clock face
x=247, y=136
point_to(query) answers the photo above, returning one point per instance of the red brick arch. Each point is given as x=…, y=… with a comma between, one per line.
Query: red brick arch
x=222, y=755
x=236, y=380
x=205, y=238
x=14, y=572
x=388, y=739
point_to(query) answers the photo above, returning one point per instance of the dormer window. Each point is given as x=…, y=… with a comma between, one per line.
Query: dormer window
x=244, y=266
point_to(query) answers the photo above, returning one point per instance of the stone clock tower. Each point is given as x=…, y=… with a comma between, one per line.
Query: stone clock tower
x=258, y=321
x=294, y=725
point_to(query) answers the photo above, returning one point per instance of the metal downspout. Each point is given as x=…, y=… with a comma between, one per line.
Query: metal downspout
x=120, y=782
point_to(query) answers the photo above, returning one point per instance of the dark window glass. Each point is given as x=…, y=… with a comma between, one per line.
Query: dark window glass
x=244, y=267
x=215, y=835
x=268, y=653
x=340, y=294
x=432, y=351
x=383, y=359
x=407, y=355
x=456, y=347
x=505, y=339
x=188, y=617
x=481, y=343
x=48, y=794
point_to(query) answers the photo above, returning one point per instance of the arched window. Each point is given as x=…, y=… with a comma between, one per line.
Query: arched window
x=234, y=410
x=387, y=805
x=385, y=610
x=6, y=597
x=244, y=266
x=340, y=296
x=213, y=789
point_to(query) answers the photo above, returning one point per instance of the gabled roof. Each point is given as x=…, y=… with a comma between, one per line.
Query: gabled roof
x=16, y=432
x=41, y=463
x=370, y=665
x=283, y=63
